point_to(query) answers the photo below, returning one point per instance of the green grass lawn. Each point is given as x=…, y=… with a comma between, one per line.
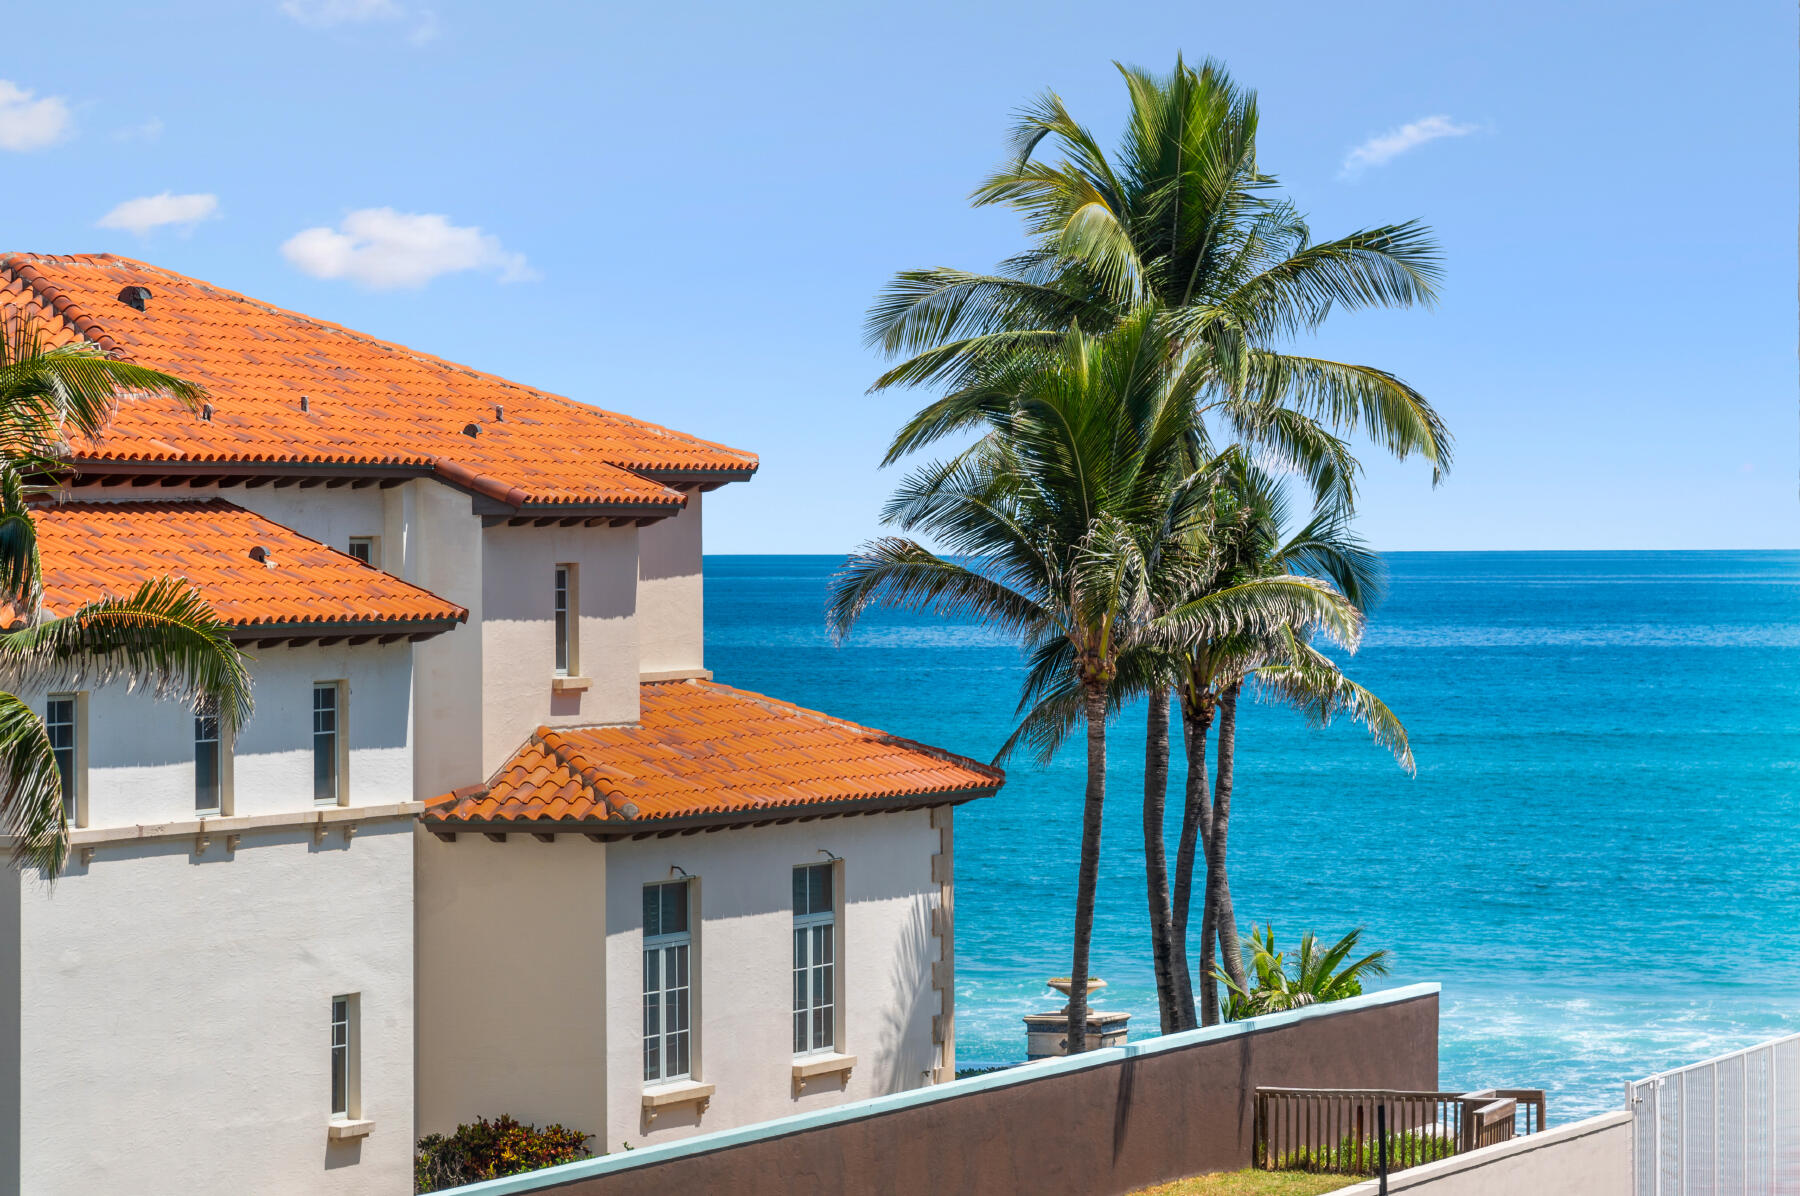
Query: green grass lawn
x=1253, y=1183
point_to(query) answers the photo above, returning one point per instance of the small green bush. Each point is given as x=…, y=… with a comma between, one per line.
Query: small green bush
x=491, y=1149
x=1354, y=1156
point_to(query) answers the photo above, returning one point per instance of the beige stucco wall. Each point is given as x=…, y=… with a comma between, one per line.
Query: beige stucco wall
x=1584, y=1158
x=518, y=638
x=670, y=603
x=743, y=956
x=174, y=1015
x=531, y=972
x=511, y=974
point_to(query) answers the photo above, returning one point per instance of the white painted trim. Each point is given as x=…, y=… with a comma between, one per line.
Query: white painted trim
x=215, y=824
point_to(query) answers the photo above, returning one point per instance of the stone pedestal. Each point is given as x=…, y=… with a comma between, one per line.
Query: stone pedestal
x=1046, y=1033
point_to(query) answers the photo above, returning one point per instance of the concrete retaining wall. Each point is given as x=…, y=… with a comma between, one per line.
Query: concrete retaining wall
x=1105, y=1122
x=1586, y=1158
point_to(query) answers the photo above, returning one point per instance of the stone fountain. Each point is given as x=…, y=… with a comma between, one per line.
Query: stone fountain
x=1046, y=1033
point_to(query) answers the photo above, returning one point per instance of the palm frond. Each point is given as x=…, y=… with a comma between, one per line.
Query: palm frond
x=164, y=637
x=31, y=797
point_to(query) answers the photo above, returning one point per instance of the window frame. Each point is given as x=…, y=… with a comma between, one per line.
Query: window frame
x=672, y=1047
x=209, y=713
x=565, y=621
x=806, y=966
x=74, y=779
x=345, y=1059
x=340, y=739
x=372, y=544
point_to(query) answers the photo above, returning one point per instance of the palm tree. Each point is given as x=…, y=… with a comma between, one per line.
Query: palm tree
x=162, y=637
x=1320, y=974
x=1183, y=217
x=1054, y=525
x=1283, y=666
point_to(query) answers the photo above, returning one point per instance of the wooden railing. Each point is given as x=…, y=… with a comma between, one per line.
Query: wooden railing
x=1334, y=1129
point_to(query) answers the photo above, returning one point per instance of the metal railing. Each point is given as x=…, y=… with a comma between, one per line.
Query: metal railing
x=1334, y=1129
x=1726, y=1126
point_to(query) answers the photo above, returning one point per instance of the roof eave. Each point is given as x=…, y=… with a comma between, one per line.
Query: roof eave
x=640, y=828
x=355, y=630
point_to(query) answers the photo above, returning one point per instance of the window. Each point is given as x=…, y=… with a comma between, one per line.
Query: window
x=565, y=639
x=346, y=1095
x=366, y=549
x=206, y=760
x=667, y=948
x=59, y=724
x=327, y=717
x=815, y=951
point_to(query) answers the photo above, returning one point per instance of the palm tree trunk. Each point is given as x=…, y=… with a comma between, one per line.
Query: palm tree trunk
x=1218, y=882
x=1156, y=862
x=1196, y=819
x=1087, y=878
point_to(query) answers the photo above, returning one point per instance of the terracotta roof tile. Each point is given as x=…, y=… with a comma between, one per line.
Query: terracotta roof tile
x=701, y=748
x=370, y=402
x=94, y=549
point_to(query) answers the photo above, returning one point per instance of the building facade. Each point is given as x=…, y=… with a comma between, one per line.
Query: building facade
x=494, y=840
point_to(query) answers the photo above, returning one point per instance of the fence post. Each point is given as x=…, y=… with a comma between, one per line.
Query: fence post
x=1381, y=1142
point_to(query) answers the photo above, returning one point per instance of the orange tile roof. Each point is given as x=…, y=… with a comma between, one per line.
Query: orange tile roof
x=94, y=549
x=369, y=402
x=702, y=749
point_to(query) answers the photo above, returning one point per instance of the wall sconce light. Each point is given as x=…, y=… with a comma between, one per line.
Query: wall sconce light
x=678, y=870
x=826, y=852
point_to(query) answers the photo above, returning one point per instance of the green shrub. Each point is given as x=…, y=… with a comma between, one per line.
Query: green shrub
x=1358, y=1156
x=491, y=1149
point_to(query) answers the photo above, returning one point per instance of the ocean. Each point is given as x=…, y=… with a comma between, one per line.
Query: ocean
x=1599, y=858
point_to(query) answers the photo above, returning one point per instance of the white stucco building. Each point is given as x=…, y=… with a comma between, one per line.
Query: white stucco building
x=494, y=840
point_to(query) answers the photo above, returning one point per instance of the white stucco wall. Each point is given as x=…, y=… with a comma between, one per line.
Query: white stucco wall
x=743, y=956
x=330, y=515
x=670, y=601
x=511, y=972
x=518, y=637
x=175, y=1017
x=139, y=750
x=434, y=540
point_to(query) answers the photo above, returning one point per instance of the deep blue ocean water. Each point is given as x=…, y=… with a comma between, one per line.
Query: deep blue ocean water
x=1599, y=858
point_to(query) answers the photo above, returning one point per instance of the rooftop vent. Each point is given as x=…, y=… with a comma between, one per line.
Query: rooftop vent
x=261, y=556
x=206, y=412
x=305, y=403
x=499, y=413
x=471, y=430
x=135, y=296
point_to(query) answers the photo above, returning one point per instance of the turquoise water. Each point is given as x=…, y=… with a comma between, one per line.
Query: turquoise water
x=1599, y=858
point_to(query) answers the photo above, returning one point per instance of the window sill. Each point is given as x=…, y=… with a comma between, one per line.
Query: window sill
x=358, y=1127
x=811, y=1067
x=680, y=1092
x=570, y=685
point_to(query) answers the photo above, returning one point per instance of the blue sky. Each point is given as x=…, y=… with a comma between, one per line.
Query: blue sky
x=681, y=211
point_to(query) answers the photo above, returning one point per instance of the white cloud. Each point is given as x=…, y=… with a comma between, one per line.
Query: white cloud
x=382, y=248
x=27, y=123
x=149, y=130
x=155, y=211
x=1378, y=151
x=323, y=14
x=328, y=14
